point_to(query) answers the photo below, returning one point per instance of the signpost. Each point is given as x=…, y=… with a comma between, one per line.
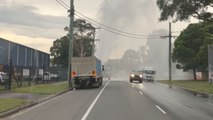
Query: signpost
x=210, y=59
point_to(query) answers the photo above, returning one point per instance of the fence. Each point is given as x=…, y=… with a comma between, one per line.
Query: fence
x=27, y=76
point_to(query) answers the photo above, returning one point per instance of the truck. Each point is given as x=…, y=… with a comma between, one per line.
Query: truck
x=86, y=72
x=148, y=73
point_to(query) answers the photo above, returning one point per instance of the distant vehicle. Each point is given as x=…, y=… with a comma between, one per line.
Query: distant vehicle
x=3, y=77
x=50, y=76
x=148, y=73
x=136, y=75
x=87, y=72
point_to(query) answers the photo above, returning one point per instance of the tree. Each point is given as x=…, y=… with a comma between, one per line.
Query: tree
x=130, y=60
x=59, y=51
x=182, y=10
x=190, y=50
x=142, y=53
x=84, y=35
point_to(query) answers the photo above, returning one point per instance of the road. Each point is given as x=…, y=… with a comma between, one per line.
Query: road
x=183, y=104
x=115, y=100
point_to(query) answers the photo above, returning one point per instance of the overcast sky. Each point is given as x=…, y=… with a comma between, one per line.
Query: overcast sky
x=37, y=23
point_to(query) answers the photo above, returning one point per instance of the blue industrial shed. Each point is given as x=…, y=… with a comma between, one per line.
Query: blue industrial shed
x=22, y=56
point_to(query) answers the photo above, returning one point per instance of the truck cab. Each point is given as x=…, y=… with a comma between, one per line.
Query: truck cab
x=148, y=73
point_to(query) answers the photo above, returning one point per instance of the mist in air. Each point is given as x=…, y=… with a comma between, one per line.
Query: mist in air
x=122, y=54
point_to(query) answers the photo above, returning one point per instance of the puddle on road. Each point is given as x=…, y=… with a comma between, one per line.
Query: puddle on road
x=203, y=96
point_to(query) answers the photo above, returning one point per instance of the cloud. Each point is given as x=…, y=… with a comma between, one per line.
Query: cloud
x=24, y=20
x=26, y=15
x=33, y=32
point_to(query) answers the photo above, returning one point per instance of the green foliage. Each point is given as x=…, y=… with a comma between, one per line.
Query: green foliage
x=200, y=85
x=59, y=51
x=184, y=9
x=191, y=47
x=84, y=34
x=9, y=103
x=46, y=89
x=130, y=60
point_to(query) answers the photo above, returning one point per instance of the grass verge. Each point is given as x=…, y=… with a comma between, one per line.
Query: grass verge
x=9, y=103
x=44, y=89
x=199, y=85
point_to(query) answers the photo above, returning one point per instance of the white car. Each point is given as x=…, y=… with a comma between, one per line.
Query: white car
x=136, y=76
x=3, y=77
x=50, y=76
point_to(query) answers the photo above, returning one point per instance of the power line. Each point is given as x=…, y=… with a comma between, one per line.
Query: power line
x=108, y=28
x=115, y=32
x=132, y=34
x=63, y=4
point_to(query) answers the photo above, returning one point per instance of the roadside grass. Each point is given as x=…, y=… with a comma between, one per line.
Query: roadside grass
x=1, y=87
x=14, y=85
x=44, y=89
x=199, y=85
x=10, y=103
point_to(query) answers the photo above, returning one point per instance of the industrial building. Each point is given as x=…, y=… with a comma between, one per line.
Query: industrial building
x=24, y=59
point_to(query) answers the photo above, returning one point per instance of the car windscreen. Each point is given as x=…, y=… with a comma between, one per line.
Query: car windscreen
x=149, y=72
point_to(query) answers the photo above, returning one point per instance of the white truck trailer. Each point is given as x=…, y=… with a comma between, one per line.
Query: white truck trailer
x=86, y=72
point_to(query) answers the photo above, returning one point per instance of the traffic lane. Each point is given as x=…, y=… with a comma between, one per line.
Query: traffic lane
x=182, y=106
x=69, y=106
x=119, y=101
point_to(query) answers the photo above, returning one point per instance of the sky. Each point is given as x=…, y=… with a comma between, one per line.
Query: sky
x=37, y=23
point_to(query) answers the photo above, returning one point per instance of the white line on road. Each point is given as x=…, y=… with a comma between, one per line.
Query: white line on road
x=160, y=109
x=93, y=103
x=133, y=86
x=140, y=92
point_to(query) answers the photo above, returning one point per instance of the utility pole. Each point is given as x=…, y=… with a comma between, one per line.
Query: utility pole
x=70, y=42
x=93, y=43
x=170, y=53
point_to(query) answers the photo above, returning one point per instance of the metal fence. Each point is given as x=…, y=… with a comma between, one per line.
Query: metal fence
x=27, y=76
x=22, y=64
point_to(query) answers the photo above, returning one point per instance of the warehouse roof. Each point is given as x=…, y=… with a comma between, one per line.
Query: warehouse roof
x=21, y=45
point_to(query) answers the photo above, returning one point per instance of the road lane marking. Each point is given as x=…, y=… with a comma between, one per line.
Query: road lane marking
x=133, y=86
x=38, y=105
x=160, y=109
x=93, y=103
x=140, y=92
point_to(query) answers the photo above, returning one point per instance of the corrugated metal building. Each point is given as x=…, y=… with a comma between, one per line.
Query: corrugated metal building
x=22, y=56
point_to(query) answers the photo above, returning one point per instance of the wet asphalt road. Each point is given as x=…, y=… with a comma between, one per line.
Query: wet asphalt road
x=119, y=100
x=181, y=104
